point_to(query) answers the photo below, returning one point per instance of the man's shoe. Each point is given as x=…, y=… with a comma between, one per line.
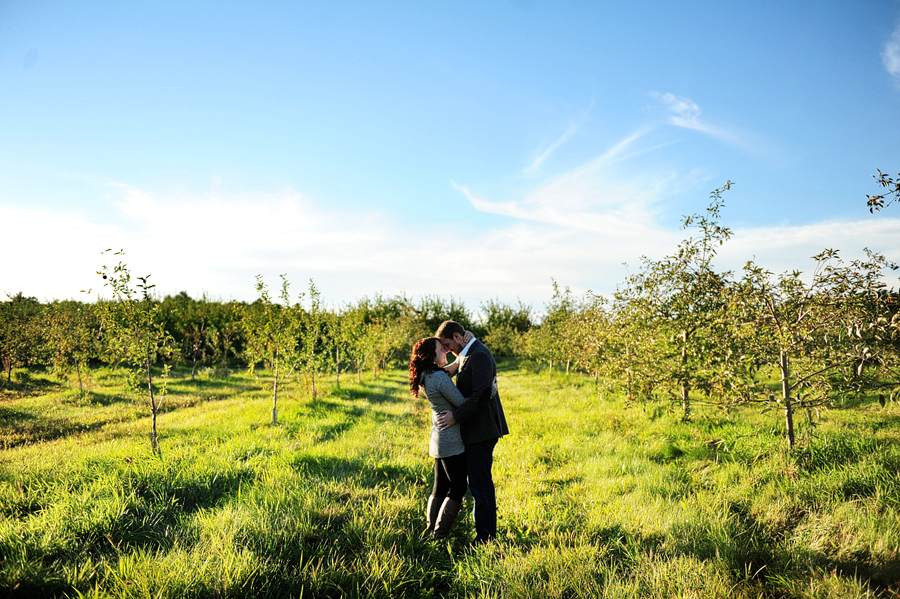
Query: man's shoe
x=478, y=541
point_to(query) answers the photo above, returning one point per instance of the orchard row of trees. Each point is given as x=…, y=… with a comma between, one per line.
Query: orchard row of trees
x=679, y=329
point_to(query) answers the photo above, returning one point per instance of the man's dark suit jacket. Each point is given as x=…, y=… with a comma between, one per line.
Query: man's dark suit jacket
x=481, y=415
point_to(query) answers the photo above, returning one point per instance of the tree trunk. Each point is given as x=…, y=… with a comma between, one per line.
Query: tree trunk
x=337, y=366
x=685, y=387
x=154, y=437
x=80, y=384
x=275, y=396
x=786, y=397
x=225, y=361
x=550, y=372
x=628, y=377
x=567, y=366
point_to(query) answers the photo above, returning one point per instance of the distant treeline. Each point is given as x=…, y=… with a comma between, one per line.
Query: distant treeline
x=205, y=333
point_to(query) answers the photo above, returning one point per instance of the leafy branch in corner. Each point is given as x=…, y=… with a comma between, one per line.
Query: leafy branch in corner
x=876, y=202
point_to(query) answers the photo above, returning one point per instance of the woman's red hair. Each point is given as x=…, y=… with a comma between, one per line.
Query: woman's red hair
x=422, y=362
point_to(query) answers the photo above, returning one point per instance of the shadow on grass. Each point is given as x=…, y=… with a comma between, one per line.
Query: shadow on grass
x=326, y=431
x=882, y=577
x=366, y=475
x=26, y=385
x=375, y=392
x=747, y=546
x=187, y=495
x=848, y=447
x=331, y=551
x=220, y=387
x=155, y=505
x=20, y=427
x=154, y=502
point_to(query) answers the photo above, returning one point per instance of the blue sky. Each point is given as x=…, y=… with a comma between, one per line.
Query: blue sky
x=476, y=150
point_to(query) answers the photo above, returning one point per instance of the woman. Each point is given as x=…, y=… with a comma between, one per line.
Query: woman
x=446, y=447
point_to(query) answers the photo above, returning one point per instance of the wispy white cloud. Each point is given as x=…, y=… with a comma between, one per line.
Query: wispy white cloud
x=891, y=55
x=552, y=148
x=584, y=223
x=593, y=197
x=686, y=114
x=569, y=132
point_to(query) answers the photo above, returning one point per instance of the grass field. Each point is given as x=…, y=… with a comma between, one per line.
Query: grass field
x=596, y=498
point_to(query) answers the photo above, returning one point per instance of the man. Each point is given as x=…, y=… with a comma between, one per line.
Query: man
x=481, y=420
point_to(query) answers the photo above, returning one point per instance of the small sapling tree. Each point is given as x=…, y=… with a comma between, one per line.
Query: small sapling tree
x=352, y=337
x=553, y=340
x=682, y=299
x=628, y=351
x=272, y=331
x=820, y=335
x=334, y=342
x=591, y=328
x=224, y=333
x=313, y=356
x=134, y=333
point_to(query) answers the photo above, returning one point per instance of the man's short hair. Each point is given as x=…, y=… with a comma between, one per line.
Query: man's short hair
x=448, y=328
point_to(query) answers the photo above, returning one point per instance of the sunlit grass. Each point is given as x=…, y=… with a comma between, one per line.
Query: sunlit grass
x=596, y=498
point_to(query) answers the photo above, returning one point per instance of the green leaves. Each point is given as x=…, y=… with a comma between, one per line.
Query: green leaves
x=876, y=202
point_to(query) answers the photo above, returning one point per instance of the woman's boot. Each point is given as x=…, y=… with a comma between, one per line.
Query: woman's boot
x=446, y=518
x=432, y=509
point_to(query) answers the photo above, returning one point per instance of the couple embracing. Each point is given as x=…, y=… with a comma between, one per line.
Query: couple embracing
x=467, y=421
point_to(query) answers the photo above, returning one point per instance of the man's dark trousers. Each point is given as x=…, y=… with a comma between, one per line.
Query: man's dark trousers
x=479, y=459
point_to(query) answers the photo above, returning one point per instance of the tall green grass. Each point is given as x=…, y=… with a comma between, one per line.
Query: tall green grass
x=596, y=498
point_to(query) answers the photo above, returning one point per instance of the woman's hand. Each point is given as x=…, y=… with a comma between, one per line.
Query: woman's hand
x=452, y=368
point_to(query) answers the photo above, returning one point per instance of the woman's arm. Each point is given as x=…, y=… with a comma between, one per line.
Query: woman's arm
x=452, y=368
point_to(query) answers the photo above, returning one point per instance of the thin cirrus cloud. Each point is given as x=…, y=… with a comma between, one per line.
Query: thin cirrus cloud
x=685, y=113
x=594, y=197
x=890, y=57
x=552, y=148
x=562, y=139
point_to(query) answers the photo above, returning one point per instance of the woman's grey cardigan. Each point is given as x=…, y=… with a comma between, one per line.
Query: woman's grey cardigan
x=442, y=394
